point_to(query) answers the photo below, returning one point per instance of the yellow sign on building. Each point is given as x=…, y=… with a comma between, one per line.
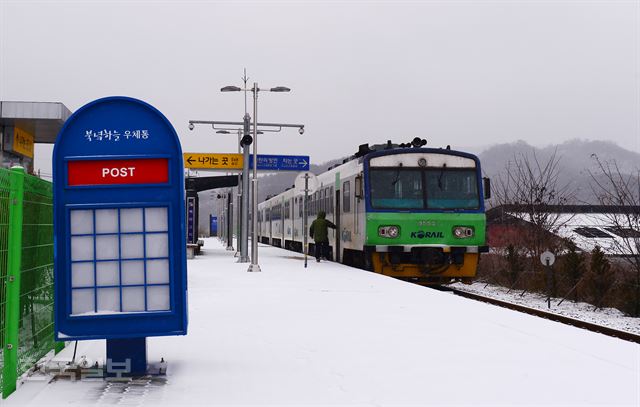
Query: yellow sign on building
x=22, y=142
x=231, y=161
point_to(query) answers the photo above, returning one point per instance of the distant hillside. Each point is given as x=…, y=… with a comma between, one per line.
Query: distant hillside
x=575, y=161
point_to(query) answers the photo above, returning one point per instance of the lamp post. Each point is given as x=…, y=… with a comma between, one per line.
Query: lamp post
x=254, y=266
x=245, y=142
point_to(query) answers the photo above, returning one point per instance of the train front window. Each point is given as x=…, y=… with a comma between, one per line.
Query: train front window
x=417, y=188
x=396, y=188
x=452, y=189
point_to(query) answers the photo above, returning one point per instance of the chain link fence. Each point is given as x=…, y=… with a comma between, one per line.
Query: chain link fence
x=26, y=272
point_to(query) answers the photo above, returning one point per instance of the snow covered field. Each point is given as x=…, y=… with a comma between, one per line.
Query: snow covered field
x=334, y=335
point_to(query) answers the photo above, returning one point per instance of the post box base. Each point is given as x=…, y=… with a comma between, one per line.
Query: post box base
x=126, y=357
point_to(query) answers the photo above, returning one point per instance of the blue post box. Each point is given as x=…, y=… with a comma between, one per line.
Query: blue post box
x=119, y=224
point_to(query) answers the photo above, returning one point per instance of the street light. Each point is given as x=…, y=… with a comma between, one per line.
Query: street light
x=280, y=89
x=245, y=140
x=254, y=218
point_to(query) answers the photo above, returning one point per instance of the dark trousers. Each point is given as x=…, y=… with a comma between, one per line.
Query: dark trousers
x=322, y=250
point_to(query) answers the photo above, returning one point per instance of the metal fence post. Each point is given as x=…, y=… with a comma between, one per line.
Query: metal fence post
x=12, y=310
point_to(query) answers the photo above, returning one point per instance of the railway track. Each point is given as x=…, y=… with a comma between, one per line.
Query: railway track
x=627, y=336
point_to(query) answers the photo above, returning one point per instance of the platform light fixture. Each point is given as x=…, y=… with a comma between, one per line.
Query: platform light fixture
x=254, y=218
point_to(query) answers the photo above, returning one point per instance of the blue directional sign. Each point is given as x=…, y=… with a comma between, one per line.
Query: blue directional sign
x=268, y=162
x=119, y=224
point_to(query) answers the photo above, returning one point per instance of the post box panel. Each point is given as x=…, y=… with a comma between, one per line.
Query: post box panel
x=120, y=260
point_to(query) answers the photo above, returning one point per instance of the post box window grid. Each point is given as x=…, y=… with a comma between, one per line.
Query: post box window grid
x=119, y=260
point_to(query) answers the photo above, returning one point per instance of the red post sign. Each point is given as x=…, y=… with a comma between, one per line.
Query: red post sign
x=117, y=172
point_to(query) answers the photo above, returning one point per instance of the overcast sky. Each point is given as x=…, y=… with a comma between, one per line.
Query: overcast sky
x=465, y=73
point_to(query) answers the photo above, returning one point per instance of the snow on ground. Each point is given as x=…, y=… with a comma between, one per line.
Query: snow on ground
x=609, y=317
x=334, y=335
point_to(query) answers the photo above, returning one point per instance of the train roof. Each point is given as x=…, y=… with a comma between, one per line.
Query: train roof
x=365, y=151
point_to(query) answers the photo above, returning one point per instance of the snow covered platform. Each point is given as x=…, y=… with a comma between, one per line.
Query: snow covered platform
x=334, y=335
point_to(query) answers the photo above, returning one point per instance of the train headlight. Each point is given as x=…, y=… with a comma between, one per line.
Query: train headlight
x=463, y=232
x=389, y=231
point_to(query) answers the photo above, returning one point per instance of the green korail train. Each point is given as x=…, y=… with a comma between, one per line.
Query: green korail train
x=403, y=210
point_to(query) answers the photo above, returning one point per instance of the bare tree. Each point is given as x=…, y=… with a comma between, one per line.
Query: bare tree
x=621, y=193
x=531, y=186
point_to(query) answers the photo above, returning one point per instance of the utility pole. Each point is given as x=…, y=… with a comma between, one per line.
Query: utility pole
x=304, y=216
x=254, y=266
x=244, y=208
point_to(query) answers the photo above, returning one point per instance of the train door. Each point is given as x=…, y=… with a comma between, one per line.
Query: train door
x=338, y=256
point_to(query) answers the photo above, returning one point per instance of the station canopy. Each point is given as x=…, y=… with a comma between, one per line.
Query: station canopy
x=41, y=119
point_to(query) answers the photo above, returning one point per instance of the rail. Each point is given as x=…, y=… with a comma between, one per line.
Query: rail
x=624, y=335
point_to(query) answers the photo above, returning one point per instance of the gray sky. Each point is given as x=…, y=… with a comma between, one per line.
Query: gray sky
x=464, y=73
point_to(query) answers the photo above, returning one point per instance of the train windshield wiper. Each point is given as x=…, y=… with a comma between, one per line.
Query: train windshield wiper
x=444, y=166
x=396, y=178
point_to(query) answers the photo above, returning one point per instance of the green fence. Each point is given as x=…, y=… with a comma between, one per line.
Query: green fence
x=26, y=274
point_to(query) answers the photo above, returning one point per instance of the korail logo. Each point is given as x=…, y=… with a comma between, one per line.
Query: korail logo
x=423, y=234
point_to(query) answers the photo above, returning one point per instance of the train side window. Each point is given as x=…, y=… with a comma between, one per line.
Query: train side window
x=325, y=197
x=358, y=186
x=326, y=201
x=321, y=198
x=286, y=210
x=331, y=199
x=313, y=205
x=346, y=196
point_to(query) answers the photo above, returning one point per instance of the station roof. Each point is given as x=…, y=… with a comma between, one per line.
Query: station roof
x=42, y=119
